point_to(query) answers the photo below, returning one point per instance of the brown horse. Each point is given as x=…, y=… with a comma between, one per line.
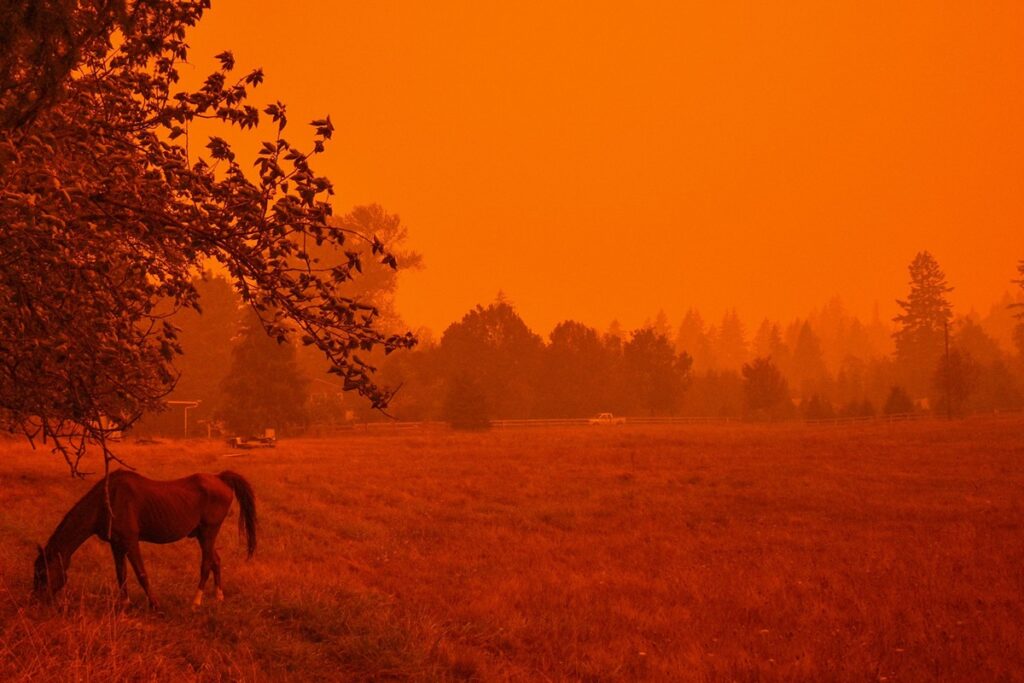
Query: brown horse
x=152, y=511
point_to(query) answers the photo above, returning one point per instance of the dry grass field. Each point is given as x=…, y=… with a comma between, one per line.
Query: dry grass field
x=878, y=552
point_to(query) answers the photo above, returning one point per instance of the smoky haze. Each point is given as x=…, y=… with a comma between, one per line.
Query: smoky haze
x=609, y=163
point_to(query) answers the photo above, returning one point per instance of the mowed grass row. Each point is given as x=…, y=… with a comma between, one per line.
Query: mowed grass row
x=880, y=552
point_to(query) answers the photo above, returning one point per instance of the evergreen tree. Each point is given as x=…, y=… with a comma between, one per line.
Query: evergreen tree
x=692, y=339
x=920, y=340
x=808, y=371
x=767, y=340
x=765, y=391
x=732, y=343
x=660, y=324
x=615, y=330
x=1018, y=330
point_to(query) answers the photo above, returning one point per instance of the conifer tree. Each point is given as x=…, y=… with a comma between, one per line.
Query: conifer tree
x=732, y=342
x=920, y=339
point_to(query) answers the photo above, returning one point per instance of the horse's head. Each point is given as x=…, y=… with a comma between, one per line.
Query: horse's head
x=48, y=575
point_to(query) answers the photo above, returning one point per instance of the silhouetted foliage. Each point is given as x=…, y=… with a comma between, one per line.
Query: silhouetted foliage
x=1018, y=330
x=807, y=364
x=956, y=377
x=926, y=312
x=465, y=404
x=765, y=391
x=577, y=369
x=692, y=339
x=264, y=388
x=206, y=336
x=108, y=211
x=654, y=375
x=855, y=409
x=898, y=402
x=41, y=43
x=817, y=408
x=495, y=349
x=731, y=342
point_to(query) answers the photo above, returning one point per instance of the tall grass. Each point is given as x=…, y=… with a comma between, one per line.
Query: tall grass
x=659, y=553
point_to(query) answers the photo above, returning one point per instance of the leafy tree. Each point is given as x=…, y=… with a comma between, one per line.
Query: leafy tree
x=206, y=337
x=378, y=281
x=577, y=369
x=920, y=340
x=110, y=206
x=817, y=408
x=499, y=353
x=655, y=376
x=972, y=339
x=954, y=381
x=376, y=286
x=264, y=387
x=996, y=388
x=898, y=402
x=41, y=44
x=714, y=394
x=420, y=381
x=466, y=404
x=858, y=409
x=765, y=391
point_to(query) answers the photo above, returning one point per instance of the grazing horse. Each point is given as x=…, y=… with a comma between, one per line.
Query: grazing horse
x=152, y=511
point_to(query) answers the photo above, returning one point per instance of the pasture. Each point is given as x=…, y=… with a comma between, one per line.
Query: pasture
x=704, y=553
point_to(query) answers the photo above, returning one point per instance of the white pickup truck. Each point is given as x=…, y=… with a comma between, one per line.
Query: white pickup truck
x=606, y=419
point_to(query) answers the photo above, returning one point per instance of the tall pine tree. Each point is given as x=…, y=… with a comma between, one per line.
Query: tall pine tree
x=920, y=340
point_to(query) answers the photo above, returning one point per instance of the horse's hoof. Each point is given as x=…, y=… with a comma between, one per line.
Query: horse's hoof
x=220, y=595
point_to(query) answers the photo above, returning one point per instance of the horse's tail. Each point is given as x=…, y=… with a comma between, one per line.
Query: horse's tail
x=247, y=503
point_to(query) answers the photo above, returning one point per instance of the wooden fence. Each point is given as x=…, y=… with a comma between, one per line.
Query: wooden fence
x=399, y=425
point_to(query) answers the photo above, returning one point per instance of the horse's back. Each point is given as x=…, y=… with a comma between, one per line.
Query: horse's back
x=166, y=511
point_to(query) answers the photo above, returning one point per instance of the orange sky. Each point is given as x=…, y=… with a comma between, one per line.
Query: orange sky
x=600, y=162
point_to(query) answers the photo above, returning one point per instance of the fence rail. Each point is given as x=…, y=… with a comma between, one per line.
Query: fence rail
x=398, y=425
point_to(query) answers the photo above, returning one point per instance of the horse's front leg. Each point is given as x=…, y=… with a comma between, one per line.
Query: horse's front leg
x=135, y=557
x=119, y=553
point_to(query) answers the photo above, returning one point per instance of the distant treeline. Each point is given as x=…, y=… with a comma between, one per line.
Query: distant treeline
x=491, y=365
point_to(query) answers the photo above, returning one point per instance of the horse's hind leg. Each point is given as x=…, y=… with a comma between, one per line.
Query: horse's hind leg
x=210, y=561
x=216, y=575
x=135, y=557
